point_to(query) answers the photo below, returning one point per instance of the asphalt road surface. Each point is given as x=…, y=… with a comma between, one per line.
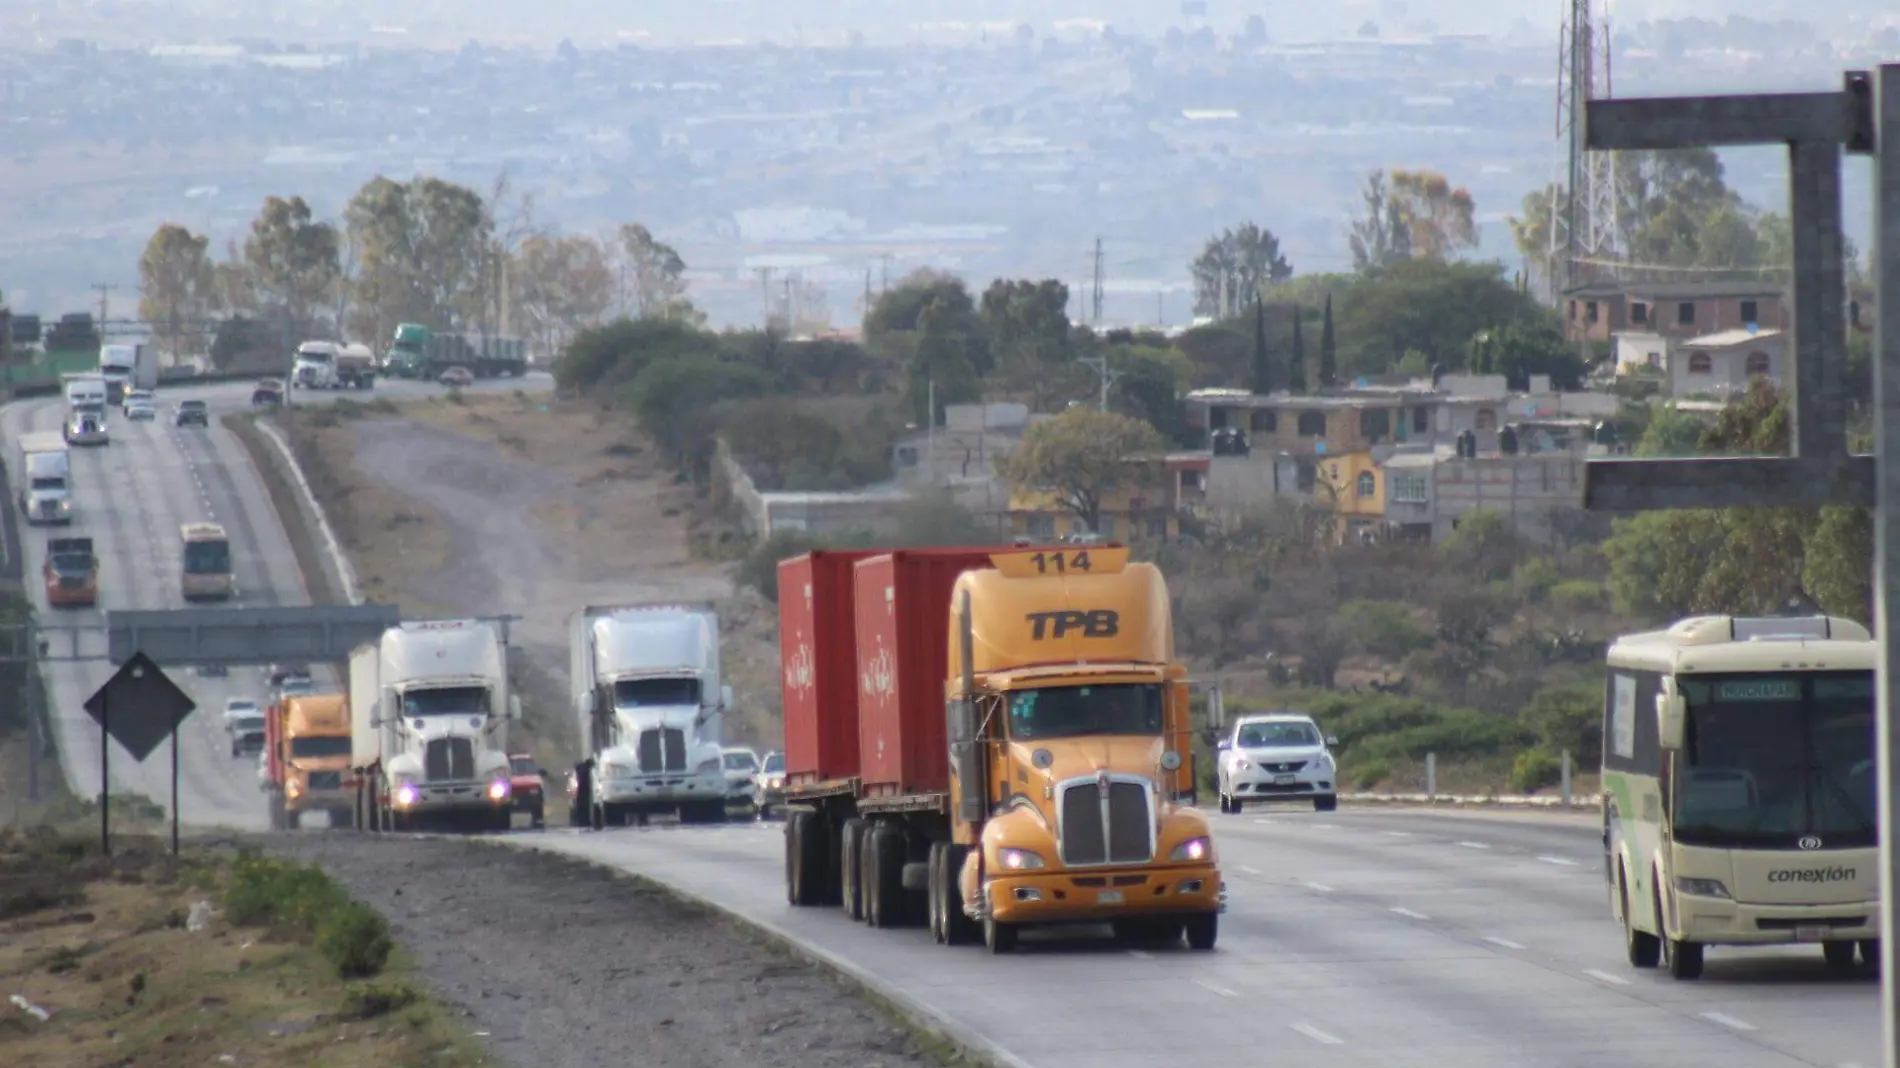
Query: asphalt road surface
x=131, y=498
x=1359, y=937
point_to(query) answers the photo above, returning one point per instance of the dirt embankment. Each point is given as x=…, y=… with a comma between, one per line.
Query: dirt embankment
x=527, y=506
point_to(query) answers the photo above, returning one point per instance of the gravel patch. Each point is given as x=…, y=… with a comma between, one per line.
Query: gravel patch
x=564, y=963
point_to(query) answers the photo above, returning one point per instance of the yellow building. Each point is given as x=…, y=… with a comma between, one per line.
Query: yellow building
x=1355, y=484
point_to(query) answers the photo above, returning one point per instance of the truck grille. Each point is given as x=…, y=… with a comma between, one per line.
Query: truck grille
x=326, y=780
x=449, y=758
x=663, y=749
x=1127, y=837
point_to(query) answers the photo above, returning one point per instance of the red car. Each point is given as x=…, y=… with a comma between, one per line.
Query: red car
x=528, y=781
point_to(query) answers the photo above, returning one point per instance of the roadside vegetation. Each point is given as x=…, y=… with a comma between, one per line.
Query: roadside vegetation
x=214, y=956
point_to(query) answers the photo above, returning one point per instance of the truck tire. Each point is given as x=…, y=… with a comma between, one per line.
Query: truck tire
x=805, y=852
x=293, y=820
x=539, y=821
x=1202, y=929
x=958, y=928
x=850, y=887
x=342, y=818
x=885, y=859
x=999, y=937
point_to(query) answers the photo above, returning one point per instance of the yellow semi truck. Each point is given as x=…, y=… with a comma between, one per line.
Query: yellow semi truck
x=1022, y=750
x=307, y=759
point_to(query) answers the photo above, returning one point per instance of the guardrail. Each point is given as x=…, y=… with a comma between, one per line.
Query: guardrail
x=51, y=389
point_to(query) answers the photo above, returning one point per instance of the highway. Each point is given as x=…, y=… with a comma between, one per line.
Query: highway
x=1360, y=937
x=131, y=498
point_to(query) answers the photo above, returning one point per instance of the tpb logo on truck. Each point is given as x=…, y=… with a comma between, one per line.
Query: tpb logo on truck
x=1100, y=623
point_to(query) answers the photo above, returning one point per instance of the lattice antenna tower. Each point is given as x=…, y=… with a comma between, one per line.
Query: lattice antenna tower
x=1584, y=219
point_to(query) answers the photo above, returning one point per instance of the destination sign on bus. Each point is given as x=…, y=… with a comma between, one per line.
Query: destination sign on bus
x=1845, y=689
x=1758, y=690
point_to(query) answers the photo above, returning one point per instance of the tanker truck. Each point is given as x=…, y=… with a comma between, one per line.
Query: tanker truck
x=1054, y=786
x=430, y=705
x=649, y=702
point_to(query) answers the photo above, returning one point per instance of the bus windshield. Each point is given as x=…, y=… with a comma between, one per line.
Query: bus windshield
x=1069, y=711
x=207, y=557
x=1771, y=759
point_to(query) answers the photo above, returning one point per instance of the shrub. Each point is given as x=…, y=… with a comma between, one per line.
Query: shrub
x=356, y=940
x=370, y=1000
x=265, y=890
x=1384, y=628
x=1369, y=774
x=1577, y=595
x=1534, y=769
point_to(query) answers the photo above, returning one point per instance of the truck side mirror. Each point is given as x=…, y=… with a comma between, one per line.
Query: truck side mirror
x=587, y=703
x=725, y=697
x=1672, y=713
x=1332, y=741
x=514, y=707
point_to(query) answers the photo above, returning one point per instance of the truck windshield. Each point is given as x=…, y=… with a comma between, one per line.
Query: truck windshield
x=319, y=747
x=650, y=693
x=1771, y=759
x=314, y=357
x=1071, y=711
x=44, y=483
x=446, y=701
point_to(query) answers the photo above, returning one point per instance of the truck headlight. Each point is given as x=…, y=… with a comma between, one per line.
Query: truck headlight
x=1701, y=887
x=1018, y=859
x=616, y=771
x=707, y=766
x=1192, y=850
x=65, y=505
x=498, y=789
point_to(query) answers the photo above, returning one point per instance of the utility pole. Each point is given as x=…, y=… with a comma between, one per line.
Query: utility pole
x=1096, y=317
x=1161, y=308
x=1100, y=363
x=765, y=295
x=789, y=317
x=885, y=285
x=105, y=303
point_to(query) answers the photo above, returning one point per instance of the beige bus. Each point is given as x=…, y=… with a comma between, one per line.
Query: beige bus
x=1739, y=798
x=207, y=564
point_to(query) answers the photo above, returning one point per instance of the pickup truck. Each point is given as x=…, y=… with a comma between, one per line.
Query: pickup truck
x=71, y=573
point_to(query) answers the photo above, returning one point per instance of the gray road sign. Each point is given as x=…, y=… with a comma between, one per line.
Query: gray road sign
x=247, y=635
x=138, y=706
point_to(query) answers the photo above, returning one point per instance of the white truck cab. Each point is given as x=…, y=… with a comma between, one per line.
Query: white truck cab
x=1278, y=756
x=43, y=478
x=315, y=367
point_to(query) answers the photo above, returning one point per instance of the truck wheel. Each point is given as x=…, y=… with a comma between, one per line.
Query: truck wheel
x=805, y=851
x=576, y=816
x=597, y=816
x=293, y=820
x=958, y=928
x=1202, y=929
x=1841, y=957
x=539, y=822
x=850, y=847
x=341, y=818
x=999, y=937
x=935, y=892
x=713, y=812
x=886, y=856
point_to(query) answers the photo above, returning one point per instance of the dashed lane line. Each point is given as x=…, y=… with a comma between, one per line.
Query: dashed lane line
x=1317, y=1035
x=1475, y=845
x=1409, y=913
x=1215, y=988
x=1321, y=887
x=1613, y=980
x=1505, y=942
x=1559, y=860
x=1727, y=1021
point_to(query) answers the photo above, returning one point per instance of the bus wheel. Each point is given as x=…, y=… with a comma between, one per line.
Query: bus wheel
x=1682, y=959
x=1841, y=957
x=1870, y=955
x=1644, y=949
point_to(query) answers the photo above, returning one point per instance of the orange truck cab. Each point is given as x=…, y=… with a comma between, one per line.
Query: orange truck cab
x=71, y=573
x=986, y=741
x=307, y=759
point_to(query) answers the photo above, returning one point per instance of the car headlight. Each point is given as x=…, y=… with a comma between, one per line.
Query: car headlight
x=1193, y=849
x=1701, y=887
x=1326, y=761
x=775, y=783
x=1018, y=859
x=1242, y=764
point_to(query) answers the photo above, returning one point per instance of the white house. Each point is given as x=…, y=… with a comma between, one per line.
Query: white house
x=1720, y=364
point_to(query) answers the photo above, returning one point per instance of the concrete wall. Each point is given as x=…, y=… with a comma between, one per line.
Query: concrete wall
x=1526, y=490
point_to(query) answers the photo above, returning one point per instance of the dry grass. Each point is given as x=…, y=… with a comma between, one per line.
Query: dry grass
x=102, y=945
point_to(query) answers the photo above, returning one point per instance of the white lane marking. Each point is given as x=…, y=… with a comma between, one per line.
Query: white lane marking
x=1615, y=980
x=1141, y=954
x=1324, y=826
x=1317, y=1035
x=1727, y=1021
x=1321, y=887
x=1505, y=942
x=1215, y=987
x=1409, y=912
x=1397, y=834
x=1252, y=871
x=1558, y=860
x=1474, y=845
x=1264, y=823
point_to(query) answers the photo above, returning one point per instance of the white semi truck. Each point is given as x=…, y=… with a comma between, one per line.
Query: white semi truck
x=430, y=705
x=328, y=365
x=649, y=702
x=43, y=478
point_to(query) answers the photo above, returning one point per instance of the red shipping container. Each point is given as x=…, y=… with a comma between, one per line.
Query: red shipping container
x=903, y=629
x=818, y=661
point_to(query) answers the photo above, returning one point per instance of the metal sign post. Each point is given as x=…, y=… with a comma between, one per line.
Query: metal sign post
x=1864, y=118
x=151, y=707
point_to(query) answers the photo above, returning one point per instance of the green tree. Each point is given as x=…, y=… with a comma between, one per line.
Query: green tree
x=177, y=288
x=292, y=262
x=424, y=253
x=1328, y=350
x=1028, y=328
x=559, y=286
x=1411, y=215
x=1262, y=358
x=675, y=400
x=655, y=277
x=1434, y=308
x=1084, y=458
x=607, y=357
x=1235, y=267
x=1524, y=348
x=1296, y=359
x=942, y=363
x=1149, y=389
x=1670, y=433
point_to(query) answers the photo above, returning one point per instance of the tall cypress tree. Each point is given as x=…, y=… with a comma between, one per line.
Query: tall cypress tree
x=1328, y=357
x=1296, y=362
x=1262, y=360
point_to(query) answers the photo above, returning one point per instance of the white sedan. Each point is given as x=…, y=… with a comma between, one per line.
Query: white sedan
x=1280, y=756
x=239, y=708
x=140, y=409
